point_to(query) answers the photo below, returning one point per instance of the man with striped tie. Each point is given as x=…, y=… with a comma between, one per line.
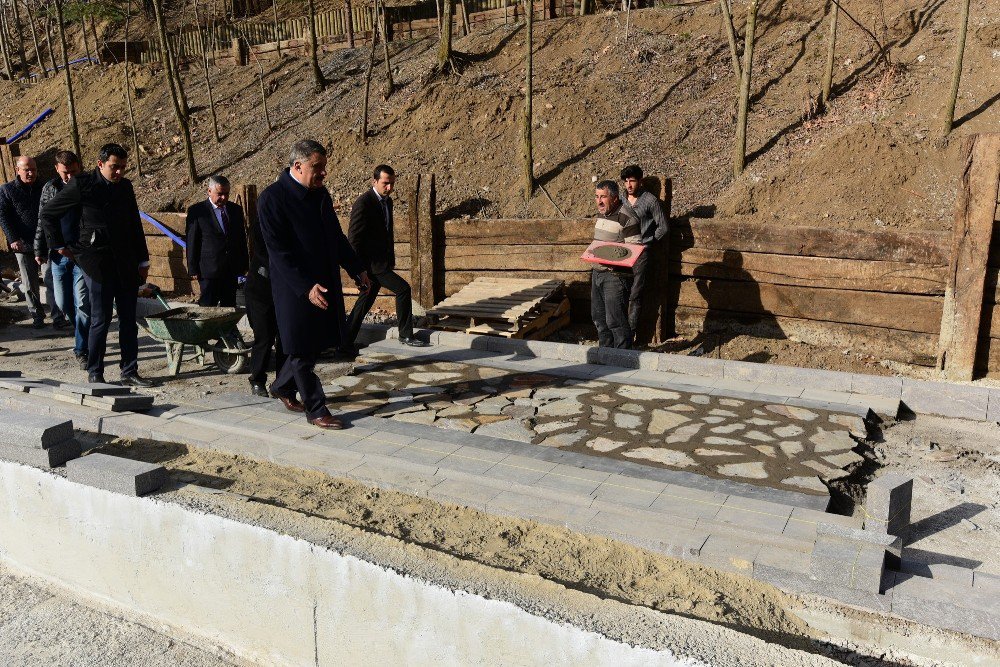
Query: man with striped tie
x=216, y=245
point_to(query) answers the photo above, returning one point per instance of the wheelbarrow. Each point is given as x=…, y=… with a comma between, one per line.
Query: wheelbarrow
x=206, y=329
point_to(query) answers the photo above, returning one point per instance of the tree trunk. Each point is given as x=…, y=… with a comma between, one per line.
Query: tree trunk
x=4, y=44
x=368, y=84
x=628, y=17
x=583, y=8
x=529, y=163
x=86, y=42
x=74, y=129
x=128, y=94
x=314, y=48
x=97, y=45
x=831, y=50
x=277, y=34
x=19, y=34
x=740, y=154
x=437, y=8
x=51, y=44
x=260, y=80
x=203, y=38
x=727, y=24
x=384, y=34
x=956, y=77
x=182, y=119
x=349, y=23
x=444, y=44
x=34, y=40
x=466, y=28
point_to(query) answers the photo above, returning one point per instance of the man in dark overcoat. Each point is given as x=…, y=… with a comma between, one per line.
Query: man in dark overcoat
x=306, y=249
x=216, y=245
x=111, y=252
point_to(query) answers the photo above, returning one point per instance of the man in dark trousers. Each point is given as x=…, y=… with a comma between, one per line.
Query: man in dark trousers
x=306, y=249
x=111, y=252
x=654, y=227
x=260, y=312
x=370, y=234
x=216, y=245
x=18, y=220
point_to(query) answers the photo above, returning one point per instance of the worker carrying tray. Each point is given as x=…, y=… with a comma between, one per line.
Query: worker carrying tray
x=612, y=254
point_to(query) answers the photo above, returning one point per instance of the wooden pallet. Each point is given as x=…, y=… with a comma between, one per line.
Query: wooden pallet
x=509, y=307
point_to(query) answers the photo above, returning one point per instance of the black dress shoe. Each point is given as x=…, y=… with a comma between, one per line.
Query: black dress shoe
x=96, y=378
x=133, y=380
x=258, y=389
x=413, y=342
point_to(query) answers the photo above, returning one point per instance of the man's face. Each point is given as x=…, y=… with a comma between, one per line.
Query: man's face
x=68, y=171
x=632, y=185
x=311, y=172
x=605, y=201
x=26, y=170
x=113, y=168
x=384, y=185
x=218, y=194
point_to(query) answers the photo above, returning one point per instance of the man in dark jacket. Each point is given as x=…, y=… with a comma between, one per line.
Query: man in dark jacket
x=18, y=220
x=260, y=312
x=216, y=245
x=306, y=249
x=111, y=252
x=370, y=234
x=69, y=287
x=610, y=287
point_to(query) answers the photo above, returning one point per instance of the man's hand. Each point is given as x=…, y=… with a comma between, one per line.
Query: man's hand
x=17, y=246
x=364, y=282
x=66, y=252
x=193, y=277
x=316, y=296
x=143, y=273
x=39, y=261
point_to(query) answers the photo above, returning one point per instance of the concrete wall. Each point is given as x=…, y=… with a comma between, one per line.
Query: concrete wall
x=267, y=596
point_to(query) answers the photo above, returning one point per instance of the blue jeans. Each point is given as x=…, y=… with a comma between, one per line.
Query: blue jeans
x=72, y=298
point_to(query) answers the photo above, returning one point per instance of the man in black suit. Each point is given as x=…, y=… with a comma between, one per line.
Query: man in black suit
x=370, y=234
x=216, y=245
x=260, y=312
x=306, y=249
x=111, y=252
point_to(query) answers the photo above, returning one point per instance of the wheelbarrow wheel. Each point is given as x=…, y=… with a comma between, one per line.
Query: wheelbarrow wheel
x=232, y=362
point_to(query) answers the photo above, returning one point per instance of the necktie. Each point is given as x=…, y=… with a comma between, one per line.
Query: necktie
x=223, y=218
x=385, y=212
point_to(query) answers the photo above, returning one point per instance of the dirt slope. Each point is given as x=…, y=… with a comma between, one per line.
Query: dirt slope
x=664, y=98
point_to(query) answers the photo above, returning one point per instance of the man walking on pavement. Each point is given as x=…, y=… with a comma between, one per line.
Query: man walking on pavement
x=19, y=220
x=112, y=253
x=306, y=250
x=216, y=245
x=371, y=236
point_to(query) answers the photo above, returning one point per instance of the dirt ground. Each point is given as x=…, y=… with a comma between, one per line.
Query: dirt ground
x=664, y=98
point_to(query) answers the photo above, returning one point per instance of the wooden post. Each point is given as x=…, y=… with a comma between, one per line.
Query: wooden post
x=349, y=23
x=8, y=159
x=241, y=53
x=422, y=242
x=975, y=211
x=245, y=196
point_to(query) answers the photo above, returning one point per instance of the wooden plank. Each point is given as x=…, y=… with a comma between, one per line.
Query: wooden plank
x=456, y=280
x=975, y=211
x=907, y=312
x=518, y=232
x=421, y=228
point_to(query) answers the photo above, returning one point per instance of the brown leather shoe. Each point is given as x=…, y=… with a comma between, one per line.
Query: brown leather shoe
x=327, y=421
x=291, y=403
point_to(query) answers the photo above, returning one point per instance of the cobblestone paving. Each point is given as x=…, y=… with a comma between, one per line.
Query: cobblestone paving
x=774, y=445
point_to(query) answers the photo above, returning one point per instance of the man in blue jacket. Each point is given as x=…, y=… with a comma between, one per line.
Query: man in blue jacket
x=306, y=249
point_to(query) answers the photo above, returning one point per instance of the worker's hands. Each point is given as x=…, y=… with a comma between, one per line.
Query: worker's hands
x=143, y=273
x=66, y=252
x=316, y=297
x=364, y=282
x=194, y=277
x=39, y=260
x=17, y=246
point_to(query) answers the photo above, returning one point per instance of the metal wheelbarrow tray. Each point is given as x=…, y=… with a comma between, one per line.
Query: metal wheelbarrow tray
x=199, y=326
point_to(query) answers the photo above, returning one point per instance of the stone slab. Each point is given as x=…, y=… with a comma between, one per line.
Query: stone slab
x=803, y=583
x=35, y=431
x=116, y=474
x=887, y=504
x=95, y=389
x=10, y=374
x=945, y=398
x=944, y=572
x=19, y=385
x=132, y=402
x=50, y=457
x=854, y=565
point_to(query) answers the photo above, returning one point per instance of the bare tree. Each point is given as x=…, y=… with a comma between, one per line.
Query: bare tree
x=444, y=61
x=368, y=84
x=203, y=40
x=314, y=48
x=584, y=8
x=727, y=25
x=466, y=28
x=384, y=34
x=50, y=42
x=182, y=119
x=128, y=93
x=93, y=31
x=529, y=163
x=740, y=154
x=34, y=40
x=4, y=45
x=74, y=129
x=260, y=76
x=277, y=33
x=349, y=23
x=956, y=76
x=81, y=13
x=831, y=51
x=19, y=34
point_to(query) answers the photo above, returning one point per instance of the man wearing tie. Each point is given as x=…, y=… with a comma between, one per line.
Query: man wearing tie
x=216, y=245
x=370, y=234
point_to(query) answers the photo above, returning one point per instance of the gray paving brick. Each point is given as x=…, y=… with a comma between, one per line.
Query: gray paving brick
x=993, y=406
x=132, y=402
x=10, y=374
x=785, y=559
x=749, y=372
x=578, y=354
x=679, y=363
x=574, y=480
x=813, y=378
x=404, y=476
x=729, y=554
x=50, y=457
x=876, y=385
x=95, y=389
x=465, y=492
x=827, y=395
x=960, y=576
x=733, y=384
x=688, y=503
x=691, y=383
x=21, y=386
x=752, y=519
x=117, y=474
x=132, y=426
x=766, y=390
x=802, y=583
x=888, y=501
x=32, y=430
x=609, y=356
x=520, y=469
x=65, y=396
x=673, y=536
x=945, y=398
x=888, y=407
x=328, y=460
x=649, y=361
x=855, y=565
x=471, y=460
x=426, y=452
x=376, y=444
x=261, y=449
x=184, y=433
x=803, y=522
x=518, y=505
x=989, y=583
x=619, y=490
x=944, y=613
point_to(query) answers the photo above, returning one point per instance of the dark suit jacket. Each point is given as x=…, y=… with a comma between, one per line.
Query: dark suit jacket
x=368, y=233
x=111, y=237
x=305, y=246
x=210, y=253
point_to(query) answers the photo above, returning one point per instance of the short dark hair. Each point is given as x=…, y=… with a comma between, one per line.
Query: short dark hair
x=610, y=186
x=632, y=171
x=66, y=158
x=107, y=150
x=383, y=169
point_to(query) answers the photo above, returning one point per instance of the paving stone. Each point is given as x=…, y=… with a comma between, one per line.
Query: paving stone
x=132, y=402
x=944, y=572
x=471, y=460
x=989, y=583
x=566, y=407
x=117, y=474
x=379, y=444
x=809, y=483
x=465, y=493
x=572, y=479
x=851, y=564
x=19, y=385
x=701, y=451
x=887, y=504
x=716, y=440
x=425, y=452
x=661, y=421
x=728, y=428
x=554, y=393
x=788, y=431
x=424, y=417
x=96, y=389
x=402, y=476
x=753, y=470
x=566, y=439
x=759, y=436
x=31, y=430
x=683, y=433
x=722, y=413
x=700, y=399
x=844, y=460
x=394, y=409
x=729, y=554
x=602, y=444
x=944, y=607
x=803, y=583
x=830, y=441
x=647, y=393
x=512, y=429
x=777, y=390
x=627, y=421
x=790, y=448
x=826, y=471
x=599, y=413
x=51, y=457
x=855, y=425
x=945, y=398
x=464, y=425
x=792, y=412
x=548, y=427
x=713, y=420
x=665, y=456
x=525, y=507
x=519, y=469
x=629, y=491
x=689, y=503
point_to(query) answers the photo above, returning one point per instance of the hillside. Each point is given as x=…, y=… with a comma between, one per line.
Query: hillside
x=665, y=99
